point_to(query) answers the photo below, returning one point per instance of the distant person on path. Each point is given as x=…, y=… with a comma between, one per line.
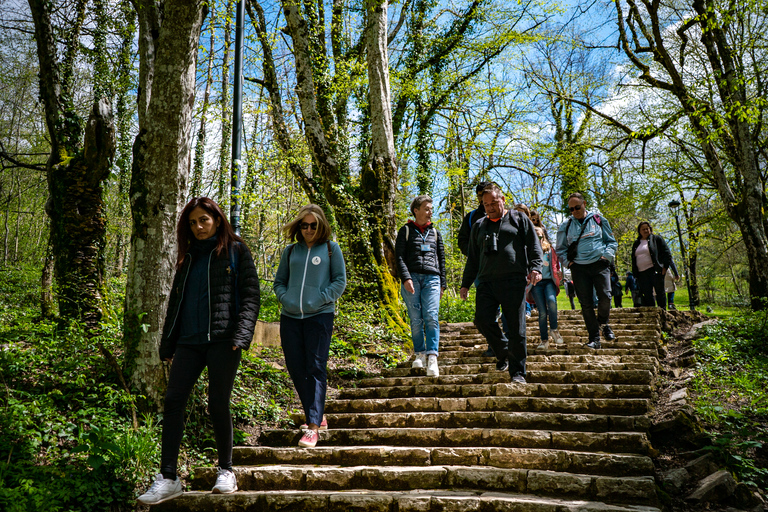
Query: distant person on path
x=420, y=259
x=546, y=291
x=310, y=278
x=211, y=315
x=465, y=230
x=651, y=258
x=570, y=291
x=632, y=289
x=504, y=255
x=616, y=290
x=670, y=285
x=585, y=245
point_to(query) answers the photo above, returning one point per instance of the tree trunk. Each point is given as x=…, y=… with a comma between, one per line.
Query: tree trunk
x=225, y=148
x=379, y=177
x=168, y=41
x=47, y=305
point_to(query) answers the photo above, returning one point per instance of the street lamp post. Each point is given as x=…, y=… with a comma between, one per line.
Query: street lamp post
x=674, y=205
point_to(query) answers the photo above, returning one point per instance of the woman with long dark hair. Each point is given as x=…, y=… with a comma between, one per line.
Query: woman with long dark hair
x=651, y=259
x=310, y=278
x=211, y=315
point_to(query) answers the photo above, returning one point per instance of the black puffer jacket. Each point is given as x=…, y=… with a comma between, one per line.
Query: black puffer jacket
x=410, y=257
x=226, y=326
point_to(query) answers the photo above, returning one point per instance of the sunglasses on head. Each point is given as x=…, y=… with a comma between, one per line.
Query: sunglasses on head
x=575, y=208
x=308, y=225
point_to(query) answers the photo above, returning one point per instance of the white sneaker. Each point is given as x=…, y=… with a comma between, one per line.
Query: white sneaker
x=556, y=336
x=432, y=370
x=544, y=345
x=163, y=489
x=419, y=360
x=225, y=482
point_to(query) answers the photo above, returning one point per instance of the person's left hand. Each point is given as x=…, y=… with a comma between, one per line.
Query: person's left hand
x=534, y=277
x=442, y=291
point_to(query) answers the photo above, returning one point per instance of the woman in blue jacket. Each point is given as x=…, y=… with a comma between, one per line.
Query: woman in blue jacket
x=310, y=278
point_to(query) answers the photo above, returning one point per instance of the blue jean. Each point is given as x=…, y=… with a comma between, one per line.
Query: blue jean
x=545, y=295
x=306, y=344
x=423, y=309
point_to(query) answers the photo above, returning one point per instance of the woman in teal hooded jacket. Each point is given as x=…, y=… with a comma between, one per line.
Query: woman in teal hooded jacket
x=310, y=278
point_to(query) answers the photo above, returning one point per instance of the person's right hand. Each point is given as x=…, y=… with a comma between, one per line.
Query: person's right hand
x=464, y=293
x=408, y=285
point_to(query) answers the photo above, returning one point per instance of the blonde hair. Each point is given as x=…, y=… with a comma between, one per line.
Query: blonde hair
x=292, y=230
x=545, y=243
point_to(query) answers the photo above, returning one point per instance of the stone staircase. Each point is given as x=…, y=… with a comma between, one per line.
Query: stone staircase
x=575, y=438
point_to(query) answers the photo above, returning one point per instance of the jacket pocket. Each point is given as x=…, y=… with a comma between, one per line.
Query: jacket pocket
x=290, y=302
x=313, y=301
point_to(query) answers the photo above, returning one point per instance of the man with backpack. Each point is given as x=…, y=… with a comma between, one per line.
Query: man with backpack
x=585, y=245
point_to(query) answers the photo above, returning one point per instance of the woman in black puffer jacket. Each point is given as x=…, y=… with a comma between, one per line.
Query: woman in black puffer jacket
x=651, y=259
x=420, y=258
x=212, y=312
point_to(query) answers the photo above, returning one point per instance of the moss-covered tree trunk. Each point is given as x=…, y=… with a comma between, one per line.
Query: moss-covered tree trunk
x=168, y=39
x=76, y=169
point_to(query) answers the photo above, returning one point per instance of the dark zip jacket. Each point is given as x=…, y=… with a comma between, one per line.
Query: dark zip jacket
x=225, y=323
x=466, y=227
x=411, y=259
x=660, y=254
x=518, y=250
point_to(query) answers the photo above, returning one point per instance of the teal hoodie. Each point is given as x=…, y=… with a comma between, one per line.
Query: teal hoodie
x=309, y=284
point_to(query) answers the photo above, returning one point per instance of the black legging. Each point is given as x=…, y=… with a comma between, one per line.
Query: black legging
x=188, y=363
x=648, y=281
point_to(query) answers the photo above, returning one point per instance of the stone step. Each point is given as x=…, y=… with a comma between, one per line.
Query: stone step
x=502, y=389
x=533, y=376
x=493, y=419
x=467, y=369
x=589, y=356
x=475, y=355
x=615, y=406
x=589, y=463
x=401, y=501
x=616, y=442
x=637, y=489
x=613, y=347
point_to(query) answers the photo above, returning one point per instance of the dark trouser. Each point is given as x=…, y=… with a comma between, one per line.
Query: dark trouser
x=509, y=294
x=617, y=299
x=588, y=280
x=648, y=281
x=306, y=343
x=188, y=363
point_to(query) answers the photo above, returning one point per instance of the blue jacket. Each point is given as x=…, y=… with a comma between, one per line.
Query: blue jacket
x=309, y=284
x=596, y=242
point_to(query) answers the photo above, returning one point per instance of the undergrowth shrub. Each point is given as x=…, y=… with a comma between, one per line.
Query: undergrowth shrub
x=731, y=387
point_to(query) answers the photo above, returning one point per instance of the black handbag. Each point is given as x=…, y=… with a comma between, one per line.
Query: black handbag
x=573, y=248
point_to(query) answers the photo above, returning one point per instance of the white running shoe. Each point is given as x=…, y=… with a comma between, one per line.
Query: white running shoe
x=163, y=489
x=544, y=345
x=556, y=336
x=432, y=370
x=419, y=360
x=225, y=482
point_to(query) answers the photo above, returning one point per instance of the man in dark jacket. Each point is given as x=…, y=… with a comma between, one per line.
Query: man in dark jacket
x=466, y=225
x=504, y=255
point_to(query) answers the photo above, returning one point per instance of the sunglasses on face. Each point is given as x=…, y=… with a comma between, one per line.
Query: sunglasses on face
x=308, y=225
x=575, y=208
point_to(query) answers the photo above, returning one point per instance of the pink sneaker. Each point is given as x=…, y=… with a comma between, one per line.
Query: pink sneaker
x=309, y=439
x=323, y=425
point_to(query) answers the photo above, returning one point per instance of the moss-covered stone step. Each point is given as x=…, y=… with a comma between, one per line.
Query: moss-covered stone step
x=552, y=366
x=639, y=489
x=533, y=376
x=588, y=357
x=492, y=419
x=589, y=463
x=615, y=442
x=502, y=389
x=387, y=501
x=618, y=406
x=470, y=356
